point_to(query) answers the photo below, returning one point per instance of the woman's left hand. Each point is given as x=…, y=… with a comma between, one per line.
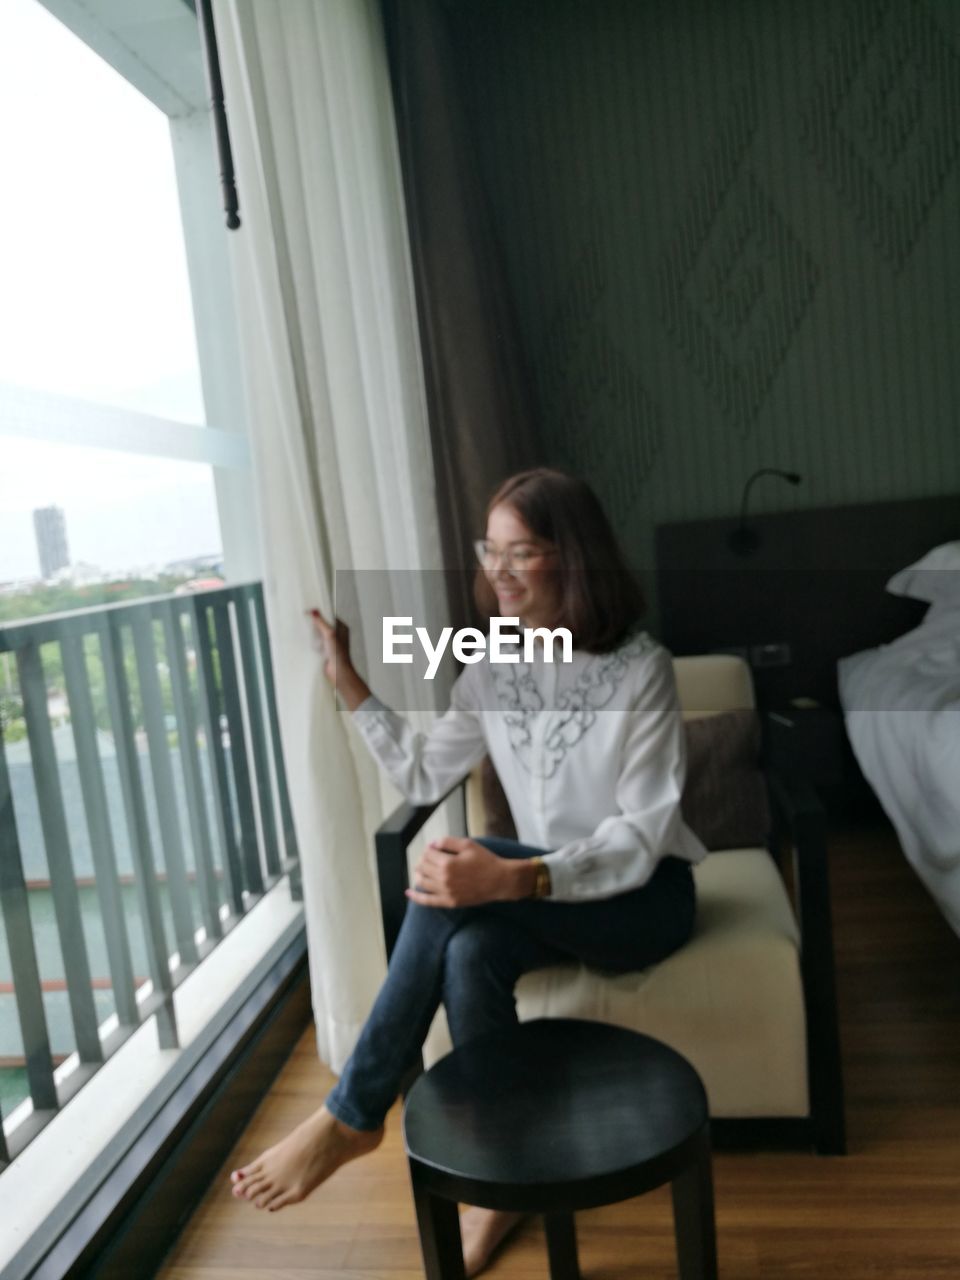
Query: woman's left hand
x=457, y=872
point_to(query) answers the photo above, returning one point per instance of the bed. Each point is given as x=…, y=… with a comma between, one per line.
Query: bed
x=901, y=704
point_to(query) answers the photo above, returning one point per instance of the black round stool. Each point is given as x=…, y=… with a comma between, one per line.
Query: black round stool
x=552, y=1116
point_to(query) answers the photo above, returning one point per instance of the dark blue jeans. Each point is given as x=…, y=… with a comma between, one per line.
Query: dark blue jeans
x=469, y=958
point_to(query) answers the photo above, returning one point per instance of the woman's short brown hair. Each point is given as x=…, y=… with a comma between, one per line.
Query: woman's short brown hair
x=601, y=600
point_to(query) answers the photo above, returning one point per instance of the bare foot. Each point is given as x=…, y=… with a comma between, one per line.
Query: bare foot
x=288, y=1172
x=482, y=1230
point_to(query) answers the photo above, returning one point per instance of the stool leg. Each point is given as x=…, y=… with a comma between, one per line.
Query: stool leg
x=562, y=1246
x=693, y=1217
x=439, y=1225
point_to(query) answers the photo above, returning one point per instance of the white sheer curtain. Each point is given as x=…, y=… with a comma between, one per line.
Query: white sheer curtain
x=340, y=438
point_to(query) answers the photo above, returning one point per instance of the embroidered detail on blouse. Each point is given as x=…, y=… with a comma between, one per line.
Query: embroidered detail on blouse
x=521, y=700
x=576, y=708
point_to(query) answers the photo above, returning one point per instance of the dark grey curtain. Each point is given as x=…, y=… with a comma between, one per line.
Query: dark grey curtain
x=482, y=417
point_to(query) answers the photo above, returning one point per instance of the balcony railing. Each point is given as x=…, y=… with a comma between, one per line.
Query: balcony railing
x=143, y=811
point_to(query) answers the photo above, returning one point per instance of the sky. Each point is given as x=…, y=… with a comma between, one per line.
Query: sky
x=94, y=302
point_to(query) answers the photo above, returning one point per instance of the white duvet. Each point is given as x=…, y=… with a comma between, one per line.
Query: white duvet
x=902, y=708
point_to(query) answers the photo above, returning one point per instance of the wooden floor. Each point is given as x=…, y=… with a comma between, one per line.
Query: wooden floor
x=888, y=1211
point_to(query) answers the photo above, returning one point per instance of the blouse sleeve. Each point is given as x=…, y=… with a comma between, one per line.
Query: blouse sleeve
x=424, y=766
x=623, y=851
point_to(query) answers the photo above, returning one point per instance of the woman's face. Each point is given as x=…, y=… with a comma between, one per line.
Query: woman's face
x=521, y=568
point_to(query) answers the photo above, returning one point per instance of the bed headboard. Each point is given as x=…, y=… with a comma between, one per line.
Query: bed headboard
x=815, y=583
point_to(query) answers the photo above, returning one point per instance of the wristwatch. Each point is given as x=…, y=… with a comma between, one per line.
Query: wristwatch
x=541, y=886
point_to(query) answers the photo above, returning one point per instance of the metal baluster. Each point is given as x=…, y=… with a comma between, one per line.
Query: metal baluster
x=134, y=803
x=95, y=806
x=27, y=987
x=151, y=700
x=238, y=747
x=63, y=883
x=286, y=813
x=258, y=738
x=223, y=808
x=193, y=779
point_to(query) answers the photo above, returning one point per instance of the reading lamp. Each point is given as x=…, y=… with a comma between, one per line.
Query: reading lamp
x=743, y=540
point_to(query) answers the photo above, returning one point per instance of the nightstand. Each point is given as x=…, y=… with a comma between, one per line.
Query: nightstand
x=806, y=739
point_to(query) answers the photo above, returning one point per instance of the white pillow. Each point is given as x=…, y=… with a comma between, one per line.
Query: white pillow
x=935, y=577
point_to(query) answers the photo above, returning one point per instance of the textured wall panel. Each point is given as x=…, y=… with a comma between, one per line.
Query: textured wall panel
x=731, y=229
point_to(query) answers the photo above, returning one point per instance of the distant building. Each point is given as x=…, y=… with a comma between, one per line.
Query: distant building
x=18, y=586
x=85, y=575
x=51, y=530
x=197, y=565
x=198, y=584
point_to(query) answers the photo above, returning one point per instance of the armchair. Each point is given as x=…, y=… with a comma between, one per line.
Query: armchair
x=750, y=1000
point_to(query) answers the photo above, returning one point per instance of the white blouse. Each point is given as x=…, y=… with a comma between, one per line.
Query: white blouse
x=591, y=755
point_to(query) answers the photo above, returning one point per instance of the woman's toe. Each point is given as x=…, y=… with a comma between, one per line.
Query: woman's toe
x=246, y=1172
x=249, y=1190
x=272, y=1200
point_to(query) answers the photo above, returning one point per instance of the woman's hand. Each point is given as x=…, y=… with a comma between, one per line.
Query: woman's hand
x=337, y=666
x=457, y=872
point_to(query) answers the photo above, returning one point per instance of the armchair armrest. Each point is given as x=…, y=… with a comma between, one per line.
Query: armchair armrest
x=800, y=812
x=794, y=797
x=391, y=840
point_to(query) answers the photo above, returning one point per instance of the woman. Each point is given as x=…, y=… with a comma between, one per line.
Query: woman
x=590, y=754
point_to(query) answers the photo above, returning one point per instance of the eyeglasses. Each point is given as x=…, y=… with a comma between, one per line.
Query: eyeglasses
x=518, y=557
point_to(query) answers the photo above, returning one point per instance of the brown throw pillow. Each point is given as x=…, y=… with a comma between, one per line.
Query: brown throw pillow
x=725, y=796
